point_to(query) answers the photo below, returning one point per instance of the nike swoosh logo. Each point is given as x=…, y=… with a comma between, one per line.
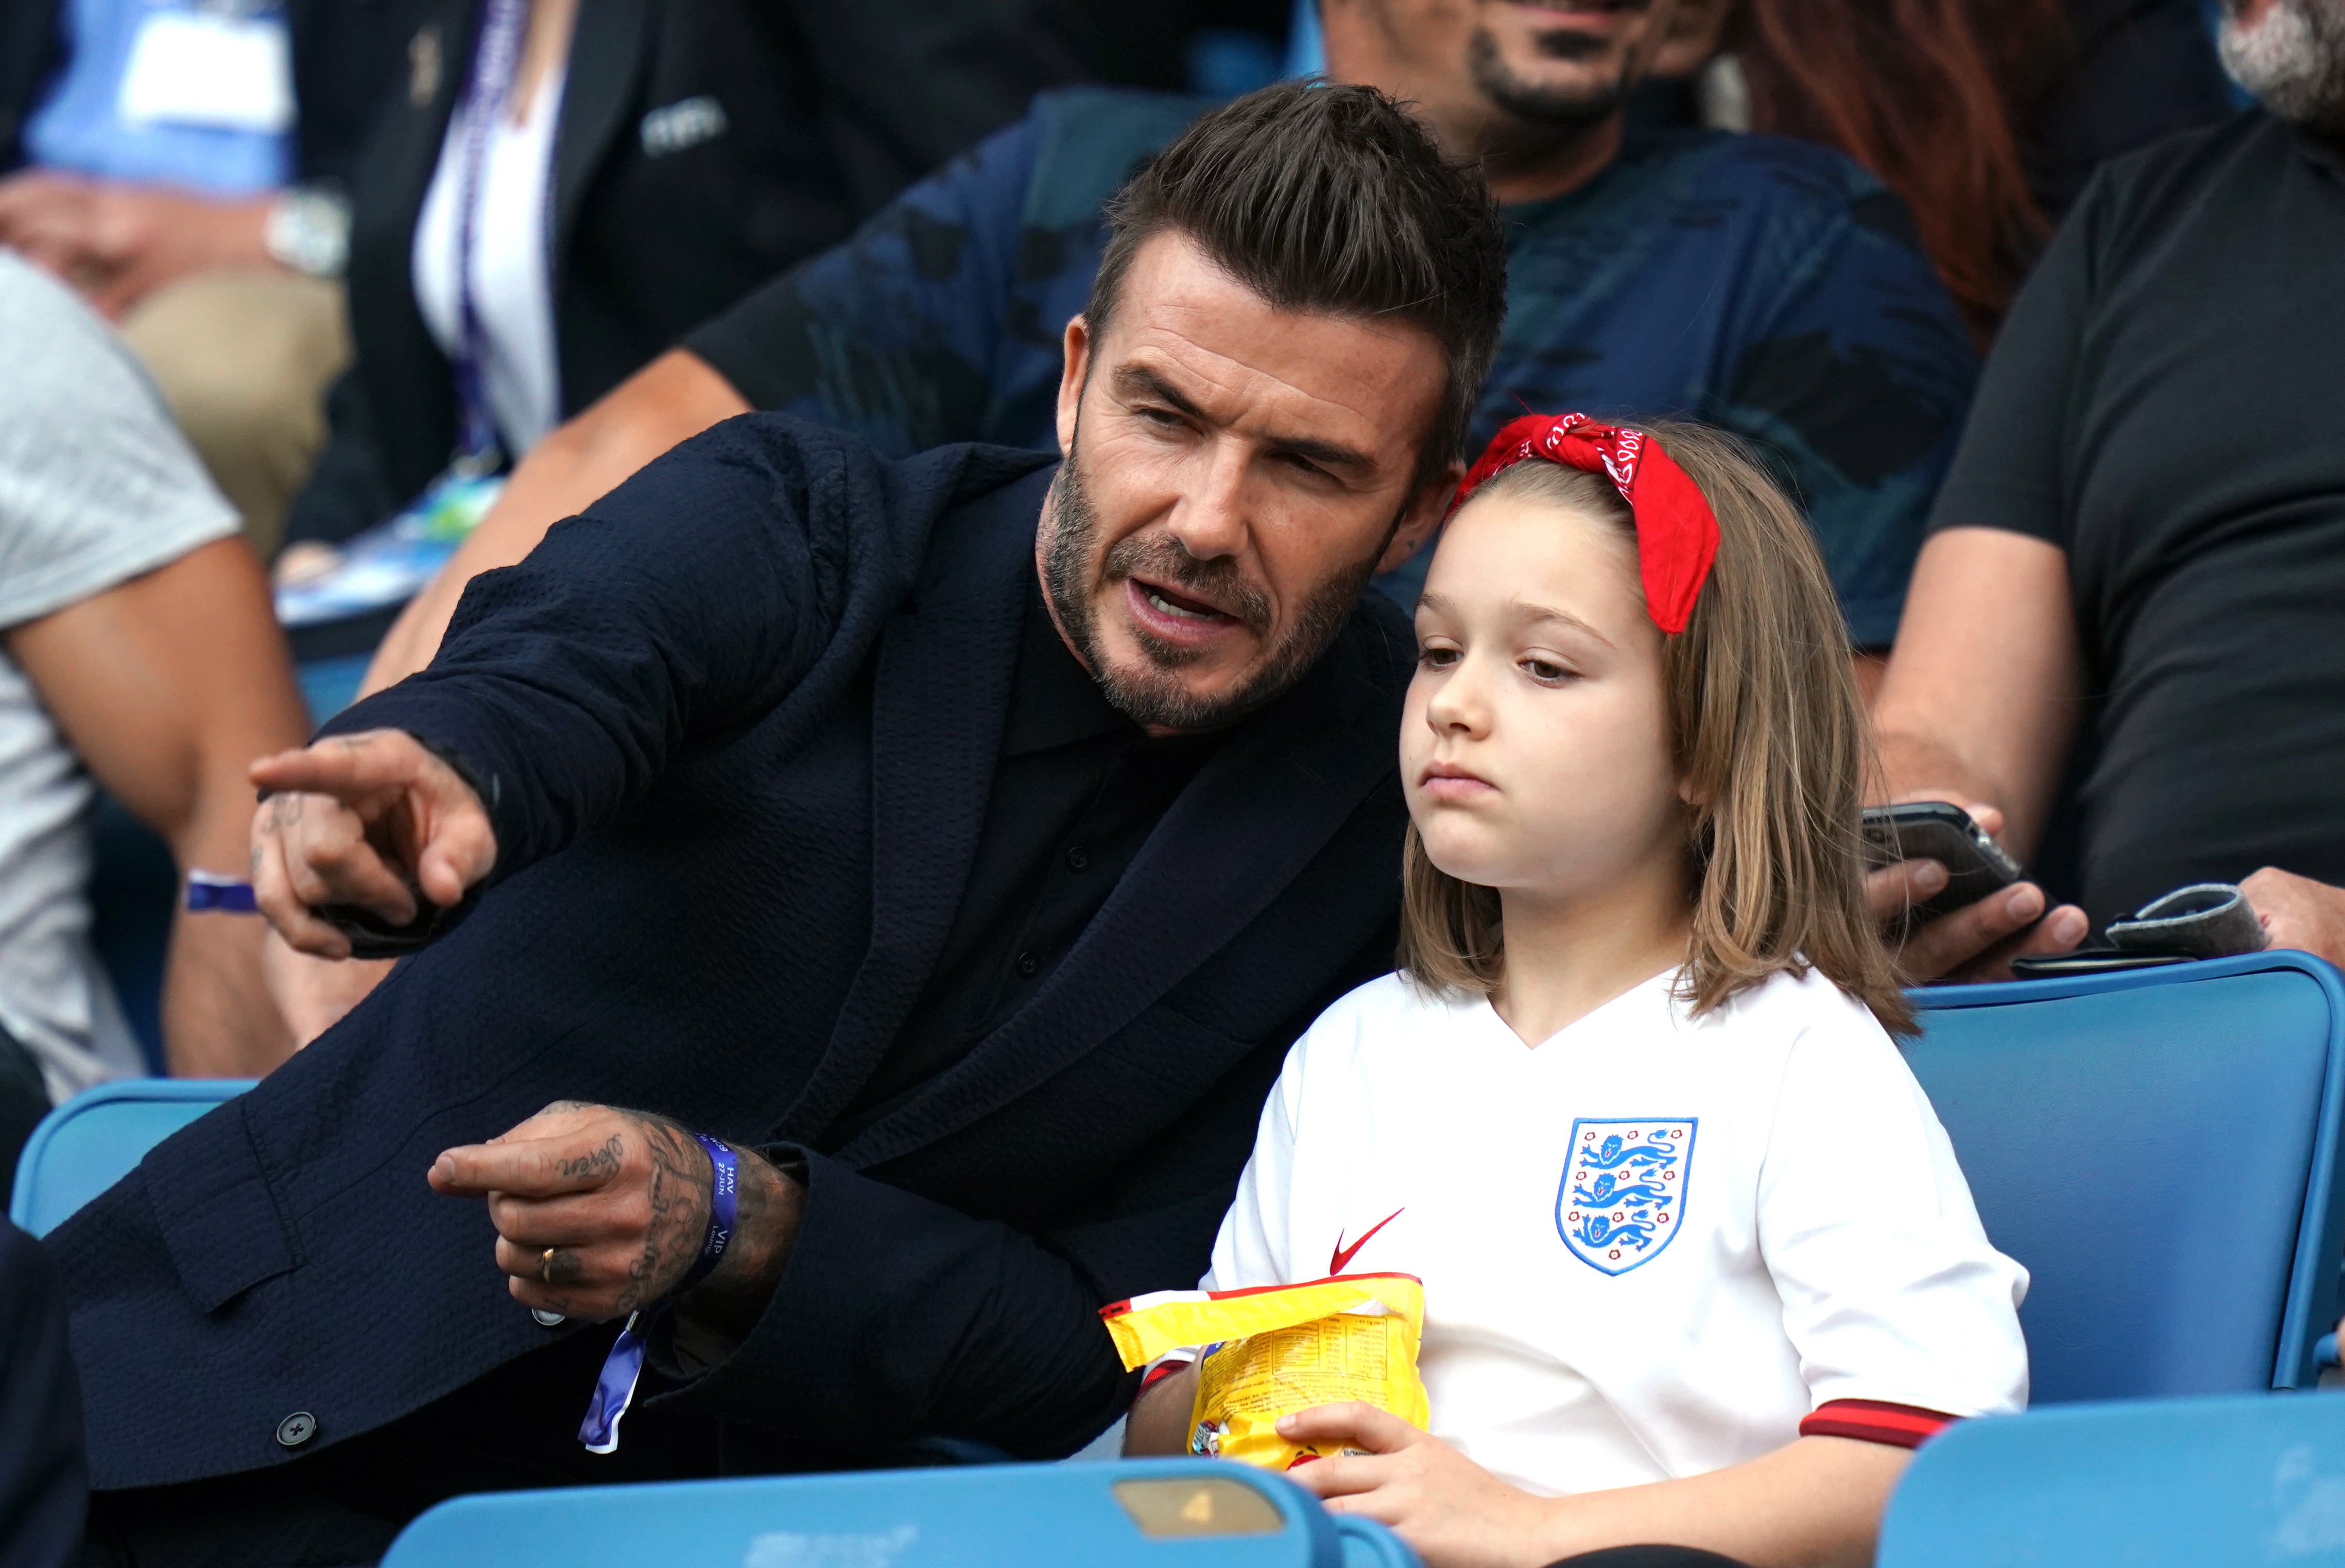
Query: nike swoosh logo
x=1344, y=1255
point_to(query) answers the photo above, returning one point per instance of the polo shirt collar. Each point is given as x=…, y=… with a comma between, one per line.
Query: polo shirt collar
x=1053, y=701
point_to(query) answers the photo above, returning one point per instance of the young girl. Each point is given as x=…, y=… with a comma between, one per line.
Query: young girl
x=1699, y=1266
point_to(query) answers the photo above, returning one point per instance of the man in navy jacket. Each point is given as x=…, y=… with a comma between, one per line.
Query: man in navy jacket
x=960, y=840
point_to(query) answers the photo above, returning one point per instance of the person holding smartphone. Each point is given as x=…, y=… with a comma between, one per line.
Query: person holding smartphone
x=2140, y=551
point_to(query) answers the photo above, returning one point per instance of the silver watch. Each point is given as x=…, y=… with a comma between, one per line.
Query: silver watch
x=309, y=230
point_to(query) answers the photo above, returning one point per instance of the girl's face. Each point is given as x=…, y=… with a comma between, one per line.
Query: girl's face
x=1535, y=746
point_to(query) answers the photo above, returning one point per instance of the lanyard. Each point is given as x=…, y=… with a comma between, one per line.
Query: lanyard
x=477, y=449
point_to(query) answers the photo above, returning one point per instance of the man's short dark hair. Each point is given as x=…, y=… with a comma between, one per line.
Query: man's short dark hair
x=1334, y=201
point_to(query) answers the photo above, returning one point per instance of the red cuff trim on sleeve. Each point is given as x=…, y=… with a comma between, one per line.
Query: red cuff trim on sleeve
x=1163, y=1370
x=1876, y=1420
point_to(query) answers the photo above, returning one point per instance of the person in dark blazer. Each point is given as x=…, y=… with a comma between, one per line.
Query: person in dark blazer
x=690, y=150
x=44, y=1478
x=951, y=846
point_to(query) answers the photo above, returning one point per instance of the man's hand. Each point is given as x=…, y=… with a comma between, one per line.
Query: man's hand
x=2298, y=912
x=1455, y=1513
x=599, y=1212
x=118, y=242
x=1973, y=943
x=366, y=819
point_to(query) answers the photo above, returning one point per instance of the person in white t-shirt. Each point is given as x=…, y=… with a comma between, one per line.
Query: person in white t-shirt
x=137, y=653
x=1700, y=1266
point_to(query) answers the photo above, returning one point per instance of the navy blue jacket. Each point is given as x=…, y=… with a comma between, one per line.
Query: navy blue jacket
x=736, y=727
x=43, y=1485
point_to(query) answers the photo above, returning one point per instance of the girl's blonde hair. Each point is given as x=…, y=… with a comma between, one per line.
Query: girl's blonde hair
x=1768, y=728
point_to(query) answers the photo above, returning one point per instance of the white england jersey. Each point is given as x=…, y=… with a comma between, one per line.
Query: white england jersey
x=1652, y=1246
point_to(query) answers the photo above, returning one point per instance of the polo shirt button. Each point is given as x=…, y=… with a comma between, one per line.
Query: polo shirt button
x=1028, y=963
x=1078, y=858
x=546, y=1319
x=297, y=1428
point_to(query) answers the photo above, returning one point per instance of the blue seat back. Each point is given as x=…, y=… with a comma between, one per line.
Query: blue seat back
x=98, y=1136
x=2159, y=1148
x=1161, y=1513
x=2150, y=1484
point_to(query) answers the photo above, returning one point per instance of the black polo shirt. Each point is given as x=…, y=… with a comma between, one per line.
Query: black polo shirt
x=1078, y=789
x=2166, y=404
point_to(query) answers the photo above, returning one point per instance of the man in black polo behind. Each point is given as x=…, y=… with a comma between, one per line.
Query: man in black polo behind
x=970, y=875
x=2141, y=548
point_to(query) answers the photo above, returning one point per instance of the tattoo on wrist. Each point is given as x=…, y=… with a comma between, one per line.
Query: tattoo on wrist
x=679, y=1200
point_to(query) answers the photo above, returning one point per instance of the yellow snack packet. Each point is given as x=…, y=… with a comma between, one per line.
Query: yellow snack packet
x=1276, y=1350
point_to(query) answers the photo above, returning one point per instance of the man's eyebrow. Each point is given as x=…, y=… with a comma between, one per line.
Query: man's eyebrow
x=1144, y=382
x=1141, y=381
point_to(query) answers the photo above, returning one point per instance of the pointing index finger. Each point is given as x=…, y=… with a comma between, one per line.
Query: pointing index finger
x=536, y=1168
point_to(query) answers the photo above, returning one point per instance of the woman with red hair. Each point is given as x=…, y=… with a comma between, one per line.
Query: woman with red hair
x=1987, y=115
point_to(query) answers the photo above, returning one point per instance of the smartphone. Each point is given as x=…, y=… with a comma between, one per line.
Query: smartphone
x=2089, y=961
x=1976, y=867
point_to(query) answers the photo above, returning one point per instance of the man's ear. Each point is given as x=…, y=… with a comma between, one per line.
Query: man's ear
x=1423, y=516
x=1073, y=374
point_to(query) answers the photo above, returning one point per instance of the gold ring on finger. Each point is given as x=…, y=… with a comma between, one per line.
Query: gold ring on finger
x=545, y=1266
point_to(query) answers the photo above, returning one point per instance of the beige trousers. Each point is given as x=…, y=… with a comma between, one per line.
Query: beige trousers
x=244, y=359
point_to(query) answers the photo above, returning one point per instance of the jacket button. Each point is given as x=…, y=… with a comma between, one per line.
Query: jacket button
x=1027, y=964
x=297, y=1428
x=546, y=1319
x=1079, y=858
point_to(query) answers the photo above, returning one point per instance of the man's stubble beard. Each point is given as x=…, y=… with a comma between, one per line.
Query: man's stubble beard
x=1156, y=698
x=2293, y=61
x=1556, y=108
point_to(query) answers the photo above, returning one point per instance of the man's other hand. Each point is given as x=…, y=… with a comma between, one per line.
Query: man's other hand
x=1974, y=942
x=364, y=819
x=599, y=1212
x=2298, y=912
x=118, y=242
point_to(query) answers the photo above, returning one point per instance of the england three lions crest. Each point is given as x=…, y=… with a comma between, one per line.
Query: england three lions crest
x=1624, y=1187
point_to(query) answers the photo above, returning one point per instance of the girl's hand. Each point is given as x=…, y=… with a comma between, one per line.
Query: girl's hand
x=1455, y=1513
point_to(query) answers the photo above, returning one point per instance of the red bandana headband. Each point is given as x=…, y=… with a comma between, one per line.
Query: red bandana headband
x=1677, y=533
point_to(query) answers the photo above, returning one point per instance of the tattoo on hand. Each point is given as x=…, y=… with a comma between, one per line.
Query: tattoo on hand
x=564, y=1268
x=681, y=1192
x=602, y=1163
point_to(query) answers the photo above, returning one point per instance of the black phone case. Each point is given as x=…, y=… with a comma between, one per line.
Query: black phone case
x=1976, y=865
x=370, y=938
x=2089, y=961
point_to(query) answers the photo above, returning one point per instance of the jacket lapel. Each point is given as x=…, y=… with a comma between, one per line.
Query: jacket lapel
x=1236, y=837
x=608, y=44
x=405, y=154
x=941, y=695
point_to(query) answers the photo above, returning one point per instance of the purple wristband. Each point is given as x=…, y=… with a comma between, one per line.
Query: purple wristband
x=614, y=1390
x=224, y=893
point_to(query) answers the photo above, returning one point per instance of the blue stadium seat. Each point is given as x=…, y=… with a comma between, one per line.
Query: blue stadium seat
x=98, y=1136
x=1306, y=46
x=2160, y=1146
x=1162, y=1514
x=2150, y=1484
